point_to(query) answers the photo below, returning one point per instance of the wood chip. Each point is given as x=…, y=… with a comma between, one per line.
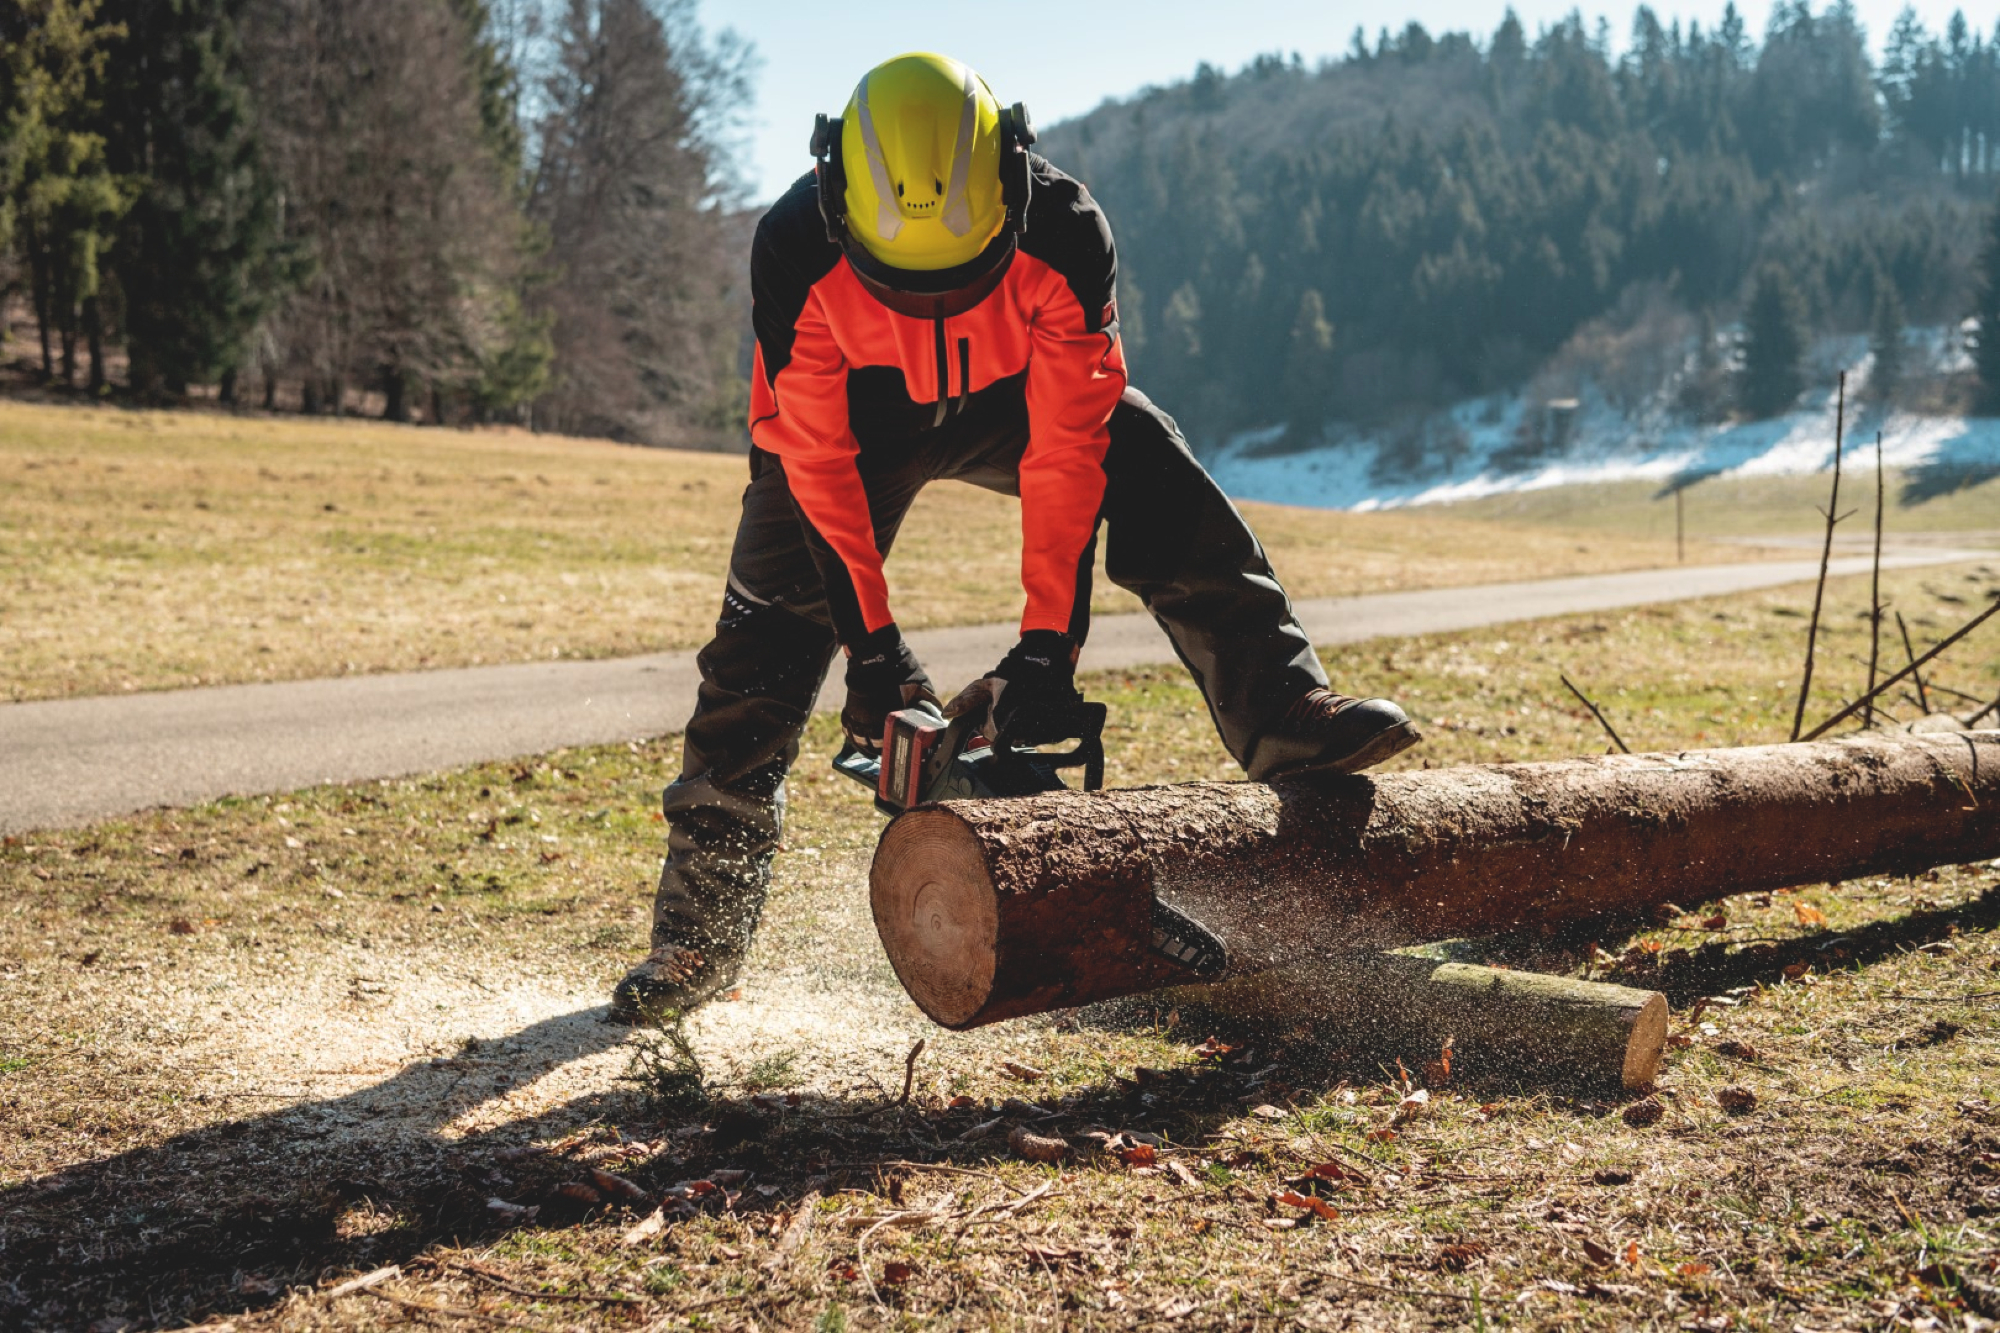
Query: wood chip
x=365, y=1281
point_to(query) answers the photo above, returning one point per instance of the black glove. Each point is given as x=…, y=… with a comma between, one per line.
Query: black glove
x=1034, y=690
x=883, y=675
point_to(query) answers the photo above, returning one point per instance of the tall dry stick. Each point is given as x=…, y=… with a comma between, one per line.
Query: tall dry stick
x=1875, y=593
x=1825, y=556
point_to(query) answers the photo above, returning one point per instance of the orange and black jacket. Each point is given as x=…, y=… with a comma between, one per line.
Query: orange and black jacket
x=838, y=369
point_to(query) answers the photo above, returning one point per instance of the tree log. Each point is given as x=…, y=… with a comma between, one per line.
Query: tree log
x=1411, y=1003
x=996, y=909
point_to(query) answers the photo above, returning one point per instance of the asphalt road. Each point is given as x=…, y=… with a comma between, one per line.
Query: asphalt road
x=67, y=762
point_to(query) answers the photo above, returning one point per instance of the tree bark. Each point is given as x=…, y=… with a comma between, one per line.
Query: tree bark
x=93, y=324
x=1412, y=1003
x=995, y=909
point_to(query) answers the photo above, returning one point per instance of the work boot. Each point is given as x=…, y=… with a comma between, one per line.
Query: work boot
x=673, y=978
x=1346, y=735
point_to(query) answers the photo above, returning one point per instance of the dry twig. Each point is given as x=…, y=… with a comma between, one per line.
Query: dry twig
x=1923, y=690
x=1875, y=589
x=1596, y=713
x=1833, y=516
x=1896, y=679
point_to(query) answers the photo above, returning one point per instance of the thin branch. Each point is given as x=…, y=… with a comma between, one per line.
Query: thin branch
x=1923, y=691
x=1875, y=590
x=1832, y=512
x=1897, y=679
x=1979, y=716
x=1596, y=713
x=909, y=1077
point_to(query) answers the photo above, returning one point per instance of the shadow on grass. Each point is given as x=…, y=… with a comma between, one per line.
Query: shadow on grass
x=226, y=1218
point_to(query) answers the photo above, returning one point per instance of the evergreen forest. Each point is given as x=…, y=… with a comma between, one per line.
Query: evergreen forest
x=1434, y=217
x=445, y=210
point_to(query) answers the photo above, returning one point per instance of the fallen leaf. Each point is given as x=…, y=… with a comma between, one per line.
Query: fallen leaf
x=1318, y=1207
x=182, y=926
x=895, y=1273
x=958, y=1102
x=1611, y=1176
x=1037, y=1254
x=728, y=1176
x=1026, y=1073
x=1560, y=1288
x=1139, y=1154
x=1736, y=1050
x=1793, y=971
x=1381, y=1136
x=1280, y=1223
x=843, y=1270
x=1267, y=1112
x=1716, y=922
x=1808, y=915
x=1212, y=1050
x=1631, y=1254
x=1180, y=1171
x=1680, y=1041
x=651, y=1225
x=1597, y=1253
x=1036, y=1147
x=1455, y=1258
x=618, y=1187
x=1411, y=1107
x=1737, y=1100
x=1695, y=1268
x=580, y=1192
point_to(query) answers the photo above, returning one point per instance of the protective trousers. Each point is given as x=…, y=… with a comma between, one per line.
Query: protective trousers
x=1172, y=537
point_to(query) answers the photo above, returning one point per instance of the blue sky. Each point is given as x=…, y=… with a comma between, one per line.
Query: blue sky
x=1063, y=57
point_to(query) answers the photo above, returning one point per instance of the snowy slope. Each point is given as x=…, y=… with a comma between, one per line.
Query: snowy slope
x=1477, y=448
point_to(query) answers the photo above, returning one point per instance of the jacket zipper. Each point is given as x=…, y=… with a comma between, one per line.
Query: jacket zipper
x=943, y=370
x=964, y=371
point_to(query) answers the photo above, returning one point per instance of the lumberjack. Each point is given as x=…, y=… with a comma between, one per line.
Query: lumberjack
x=934, y=301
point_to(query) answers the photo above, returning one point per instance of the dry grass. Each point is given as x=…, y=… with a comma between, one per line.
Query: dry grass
x=151, y=550
x=256, y=1048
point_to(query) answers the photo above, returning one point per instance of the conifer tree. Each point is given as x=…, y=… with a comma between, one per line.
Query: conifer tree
x=1308, y=366
x=1986, y=345
x=1885, y=341
x=197, y=261
x=1774, y=345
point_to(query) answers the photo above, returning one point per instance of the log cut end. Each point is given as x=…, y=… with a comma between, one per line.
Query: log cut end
x=1646, y=1043
x=937, y=914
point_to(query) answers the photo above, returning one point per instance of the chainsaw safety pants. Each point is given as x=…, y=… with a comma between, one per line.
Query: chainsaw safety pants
x=1171, y=537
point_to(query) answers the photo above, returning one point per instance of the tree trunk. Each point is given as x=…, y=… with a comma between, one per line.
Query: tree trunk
x=1412, y=1003
x=93, y=324
x=270, y=390
x=38, y=282
x=437, y=405
x=395, y=401
x=309, y=397
x=225, y=391
x=995, y=909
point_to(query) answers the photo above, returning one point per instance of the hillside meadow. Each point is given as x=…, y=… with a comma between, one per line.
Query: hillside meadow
x=148, y=550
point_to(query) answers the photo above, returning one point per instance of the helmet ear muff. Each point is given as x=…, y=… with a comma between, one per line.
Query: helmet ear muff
x=1017, y=135
x=832, y=176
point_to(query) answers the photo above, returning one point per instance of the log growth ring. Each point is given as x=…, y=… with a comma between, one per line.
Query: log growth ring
x=935, y=909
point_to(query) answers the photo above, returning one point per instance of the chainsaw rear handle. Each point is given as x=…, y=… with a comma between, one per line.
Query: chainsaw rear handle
x=1086, y=724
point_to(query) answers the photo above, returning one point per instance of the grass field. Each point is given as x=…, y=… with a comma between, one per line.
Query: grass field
x=251, y=1050
x=1919, y=507
x=151, y=550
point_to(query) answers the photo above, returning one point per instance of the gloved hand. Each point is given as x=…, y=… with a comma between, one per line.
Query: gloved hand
x=883, y=675
x=1031, y=695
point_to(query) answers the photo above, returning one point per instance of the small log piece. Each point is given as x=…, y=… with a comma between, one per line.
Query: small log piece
x=999, y=908
x=1410, y=1003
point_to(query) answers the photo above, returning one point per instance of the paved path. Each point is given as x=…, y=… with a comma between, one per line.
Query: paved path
x=70, y=761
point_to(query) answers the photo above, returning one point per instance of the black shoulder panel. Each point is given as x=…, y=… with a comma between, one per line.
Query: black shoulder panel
x=789, y=255
x=1068, y=232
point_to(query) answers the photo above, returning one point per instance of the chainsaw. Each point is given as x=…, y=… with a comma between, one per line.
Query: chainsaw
x=926, y=758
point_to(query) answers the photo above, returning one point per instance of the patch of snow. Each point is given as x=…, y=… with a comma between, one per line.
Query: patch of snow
x=1494, y=445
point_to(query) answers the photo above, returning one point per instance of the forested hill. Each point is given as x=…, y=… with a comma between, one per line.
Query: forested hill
x=1437, y=216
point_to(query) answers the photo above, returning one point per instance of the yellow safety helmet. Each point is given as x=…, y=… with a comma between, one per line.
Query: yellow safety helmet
x=925, y=168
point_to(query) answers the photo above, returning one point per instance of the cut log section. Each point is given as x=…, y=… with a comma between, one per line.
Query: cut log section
x=996, y=909
x=1408, y=1003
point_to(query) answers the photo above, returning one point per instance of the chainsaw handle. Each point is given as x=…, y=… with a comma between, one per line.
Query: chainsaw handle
x=1087, y=723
